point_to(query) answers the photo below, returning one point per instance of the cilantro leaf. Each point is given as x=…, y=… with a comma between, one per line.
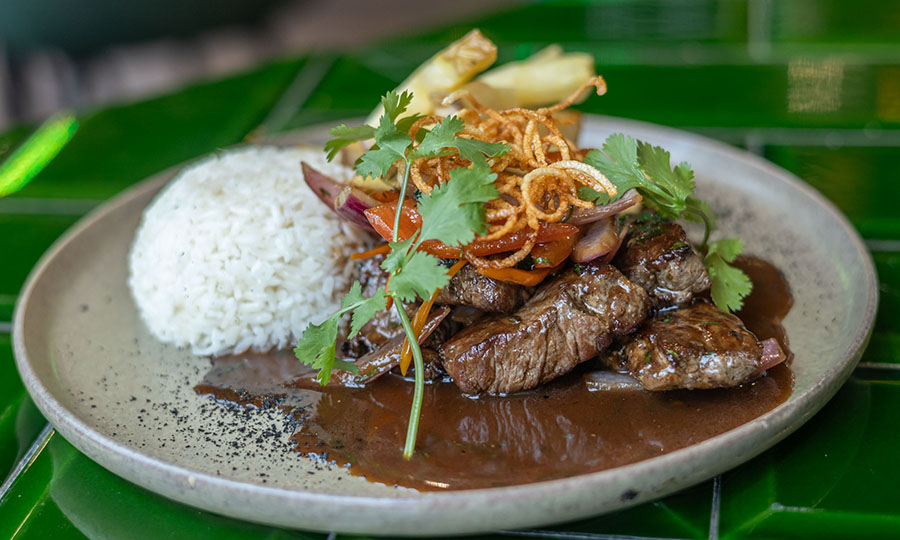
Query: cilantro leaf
x=316, y=348
x=475, y=150
x=618, y=161
x=421, y=274
x=391, y=147
x=343, y=136
x=453, y=213
x=729, y=284
x=396, y=104
x=397, y=256
x=676, y=184
x=727, y=248
x=635, y=164
x=363, y=308
x=443, y=137
x=405, y=123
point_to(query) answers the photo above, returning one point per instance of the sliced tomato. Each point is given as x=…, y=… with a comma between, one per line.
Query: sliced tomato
x=529, y=278
x=381, y=218
x=513, y=241
x=550, y=254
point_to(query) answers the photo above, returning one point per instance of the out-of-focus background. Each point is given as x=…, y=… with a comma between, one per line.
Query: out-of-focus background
x=61, y=54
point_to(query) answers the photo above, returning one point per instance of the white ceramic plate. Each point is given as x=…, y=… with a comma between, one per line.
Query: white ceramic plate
x=127, y=401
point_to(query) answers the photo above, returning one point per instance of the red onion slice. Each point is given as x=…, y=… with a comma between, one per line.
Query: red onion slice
x=380, y=361
x=325, y=187
x=346, y=201
x=351, y=203
x=772, y=355
x=581, y=216
x=605, y=381
x=599, y=239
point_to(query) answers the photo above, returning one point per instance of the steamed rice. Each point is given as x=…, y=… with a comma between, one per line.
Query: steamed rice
x=237, y=253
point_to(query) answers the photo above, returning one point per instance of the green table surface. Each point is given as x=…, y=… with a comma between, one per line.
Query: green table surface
x=813, y=86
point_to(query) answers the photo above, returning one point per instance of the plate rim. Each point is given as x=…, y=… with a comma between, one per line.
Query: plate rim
x=409, y=514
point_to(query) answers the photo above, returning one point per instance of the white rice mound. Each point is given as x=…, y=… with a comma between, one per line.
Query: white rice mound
x=237, y=253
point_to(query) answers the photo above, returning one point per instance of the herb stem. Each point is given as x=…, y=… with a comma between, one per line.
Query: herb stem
x=396, y=232
x=707, y=226
x=415, y=411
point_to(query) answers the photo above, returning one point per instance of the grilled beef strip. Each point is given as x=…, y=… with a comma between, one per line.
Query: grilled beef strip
x=467, y=288
x=657, y=256
x=386, y=358
x=568, y=321
x=693, y=347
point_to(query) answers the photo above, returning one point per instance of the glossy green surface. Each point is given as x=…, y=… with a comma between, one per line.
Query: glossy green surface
x=134, y=141
x=11, y=139
x=25, y=237
x=852, y=178
x=835, y=478
x=20, y=421
x=885, y=344
x=772, y=77
x=636, y=22
x=811, y=21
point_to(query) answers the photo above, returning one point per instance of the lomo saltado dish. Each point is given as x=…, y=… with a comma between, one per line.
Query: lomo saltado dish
x=535, y=306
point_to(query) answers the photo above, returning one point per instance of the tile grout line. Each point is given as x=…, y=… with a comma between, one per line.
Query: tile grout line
x=878, y=365
x=883, y=245
x=572, y=535
x=35, y=449
x=48, y=206
x=759, y=29
x=714, y=511
x=801, y=136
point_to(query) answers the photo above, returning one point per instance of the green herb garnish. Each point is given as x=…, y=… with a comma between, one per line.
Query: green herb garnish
x=452, y=213
x=730, y=285
x=628, y=164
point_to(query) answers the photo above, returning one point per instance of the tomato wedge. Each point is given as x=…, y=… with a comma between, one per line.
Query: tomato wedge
x=550, y=254
x=529, y=278
x=381, y=218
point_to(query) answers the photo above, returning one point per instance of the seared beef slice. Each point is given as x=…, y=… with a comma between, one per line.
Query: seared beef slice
x=567, y=322
x=658, y=257
x=469, y=288
x=693, y=347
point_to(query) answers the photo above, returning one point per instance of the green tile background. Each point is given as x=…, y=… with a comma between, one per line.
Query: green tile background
x=20, y=421
x=812, y=85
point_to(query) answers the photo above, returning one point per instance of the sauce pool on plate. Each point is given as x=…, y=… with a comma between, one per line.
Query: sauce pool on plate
x=560, y=429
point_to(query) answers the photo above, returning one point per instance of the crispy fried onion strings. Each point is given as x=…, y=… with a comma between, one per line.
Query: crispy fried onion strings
x=538, y=178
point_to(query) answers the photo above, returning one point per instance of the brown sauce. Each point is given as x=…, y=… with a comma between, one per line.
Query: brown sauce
x=558, y=430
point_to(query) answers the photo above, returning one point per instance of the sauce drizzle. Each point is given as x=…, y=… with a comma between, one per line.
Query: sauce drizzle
x=558, y=430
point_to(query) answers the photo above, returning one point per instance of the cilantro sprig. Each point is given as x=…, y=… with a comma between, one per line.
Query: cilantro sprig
x=629, y=163
x=452, y=213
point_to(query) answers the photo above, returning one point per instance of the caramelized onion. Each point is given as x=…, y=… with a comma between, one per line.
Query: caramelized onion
x=325, y=187
x=772, y=355
x=346, y=201
x=351, y=203
x=602, y=381
x=582, y=216
x=600, y=238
